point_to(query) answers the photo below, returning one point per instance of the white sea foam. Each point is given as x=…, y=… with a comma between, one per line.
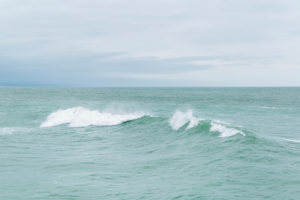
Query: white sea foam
x=267, y=107
x=225, y=131
x=291, y=140
x=7, y=131
x=180, y=119
x=82, y=117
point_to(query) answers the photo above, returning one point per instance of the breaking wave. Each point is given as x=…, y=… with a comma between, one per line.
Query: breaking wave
x=225, y=131
x=187, y=120
x=82, y=117
x=179, y=119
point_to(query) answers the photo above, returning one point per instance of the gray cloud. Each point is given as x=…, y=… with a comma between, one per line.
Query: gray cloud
x=149, y=42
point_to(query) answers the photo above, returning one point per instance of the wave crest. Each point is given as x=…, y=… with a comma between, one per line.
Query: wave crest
x=181, y=119
x=82, y=117
x=225, y=131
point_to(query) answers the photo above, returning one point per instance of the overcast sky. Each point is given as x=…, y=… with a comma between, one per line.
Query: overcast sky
x=150, y=43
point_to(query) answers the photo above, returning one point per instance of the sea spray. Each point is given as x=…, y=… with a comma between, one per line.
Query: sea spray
x=225, y=131
x=82, y=117
x=181, y=119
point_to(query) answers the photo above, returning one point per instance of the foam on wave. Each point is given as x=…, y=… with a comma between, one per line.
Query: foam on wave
x=291, y=140
x=82, y=117
x=180, y=119
x=225, y=131
x=7, y=131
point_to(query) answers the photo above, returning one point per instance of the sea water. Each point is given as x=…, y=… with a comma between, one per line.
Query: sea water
x=149, y=143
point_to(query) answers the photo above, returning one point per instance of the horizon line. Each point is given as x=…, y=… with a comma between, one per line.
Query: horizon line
x=68, y=86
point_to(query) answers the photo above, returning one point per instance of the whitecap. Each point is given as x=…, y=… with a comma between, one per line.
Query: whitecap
x=180, y=119
x=291, y=140
x=82, y=117
x=225, y=131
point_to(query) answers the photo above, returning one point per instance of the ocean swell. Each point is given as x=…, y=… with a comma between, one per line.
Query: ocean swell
x=82, y=117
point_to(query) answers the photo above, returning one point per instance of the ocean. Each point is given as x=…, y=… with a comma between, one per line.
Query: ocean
x=149, y=143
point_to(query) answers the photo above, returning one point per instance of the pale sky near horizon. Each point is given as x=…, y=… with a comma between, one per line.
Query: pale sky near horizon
x=150, y=43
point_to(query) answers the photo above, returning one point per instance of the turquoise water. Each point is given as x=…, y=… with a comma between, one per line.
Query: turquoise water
x=149, y=143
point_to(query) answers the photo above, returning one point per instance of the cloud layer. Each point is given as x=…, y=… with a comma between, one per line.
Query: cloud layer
x=150, y=43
